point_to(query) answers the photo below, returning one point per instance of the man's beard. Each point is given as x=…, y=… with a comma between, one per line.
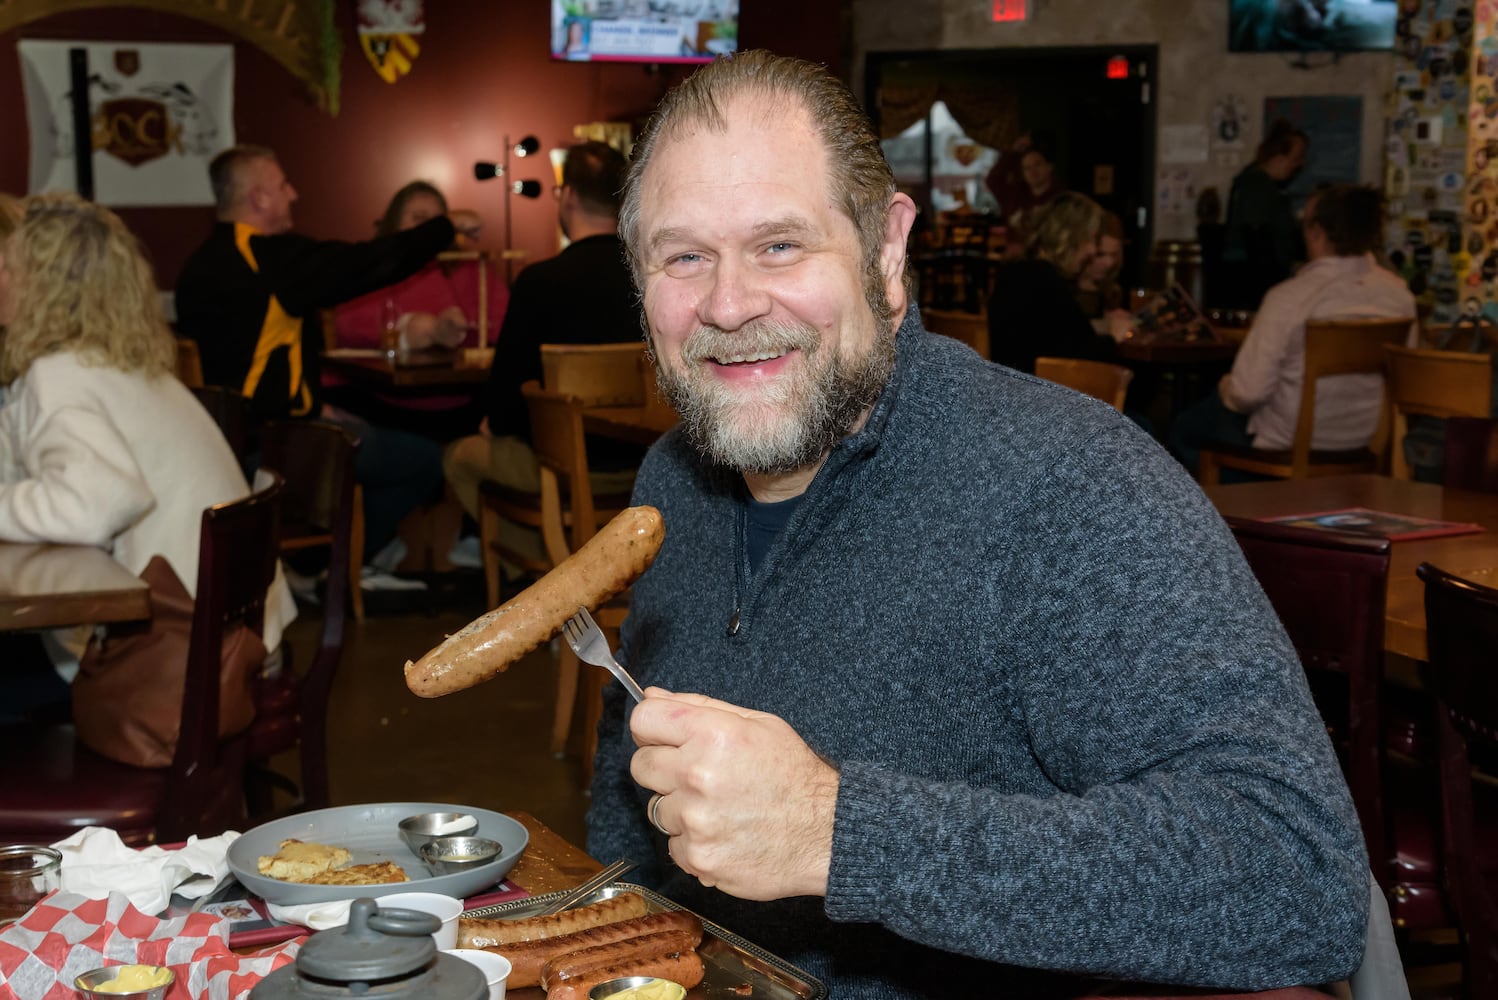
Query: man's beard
x=783, y=423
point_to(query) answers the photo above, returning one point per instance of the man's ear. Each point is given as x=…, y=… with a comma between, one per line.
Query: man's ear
x=901, y=217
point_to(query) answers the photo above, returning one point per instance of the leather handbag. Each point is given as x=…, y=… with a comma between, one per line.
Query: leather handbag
x=127, y=698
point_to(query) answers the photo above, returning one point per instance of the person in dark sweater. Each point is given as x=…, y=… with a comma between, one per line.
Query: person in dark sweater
x=1033, y=311
x=1261, y=241
x=250, y=297
x=951, y=671
x=583, y=295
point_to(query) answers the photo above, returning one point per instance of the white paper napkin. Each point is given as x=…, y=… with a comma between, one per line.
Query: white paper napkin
x=95, y=862
x=317, y=916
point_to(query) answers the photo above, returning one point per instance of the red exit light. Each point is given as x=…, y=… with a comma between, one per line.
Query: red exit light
x=1118, y=68
x=1008, y=10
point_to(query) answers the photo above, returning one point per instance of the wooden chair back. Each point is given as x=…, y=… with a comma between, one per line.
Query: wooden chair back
x=566, y=524
x=1328, y=589
x=1462, y=622
x=316, y=461
x=598, y=374
x=236, y=566
x=1332, y=347
x=231, y=411
x=1098, y=379
x=970, y=328
x=1434, y=384
x=189, y=363
x=1470, y=460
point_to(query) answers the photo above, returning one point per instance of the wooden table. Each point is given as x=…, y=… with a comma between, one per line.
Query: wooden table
x=635, y=424
x=549, y=863
x=1472, y=557
x=369, y=367
x=48, y=586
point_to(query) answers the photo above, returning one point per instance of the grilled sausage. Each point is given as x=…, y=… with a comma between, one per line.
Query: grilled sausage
x=527, y=958
x=475, y=932
x=601, y=569
x=579, y=963
x=681, y=967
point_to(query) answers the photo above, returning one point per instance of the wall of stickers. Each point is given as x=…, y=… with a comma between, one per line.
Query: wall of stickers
x=1479, y=286
x=1441, y=68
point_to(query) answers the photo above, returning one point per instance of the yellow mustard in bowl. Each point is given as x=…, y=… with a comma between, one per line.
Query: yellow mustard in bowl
x=134, y=979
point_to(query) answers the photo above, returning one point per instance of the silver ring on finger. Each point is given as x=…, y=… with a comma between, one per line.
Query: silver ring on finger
x=651, y=813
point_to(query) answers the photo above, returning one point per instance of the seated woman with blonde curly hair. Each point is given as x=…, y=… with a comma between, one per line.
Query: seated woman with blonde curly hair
x=100, y=444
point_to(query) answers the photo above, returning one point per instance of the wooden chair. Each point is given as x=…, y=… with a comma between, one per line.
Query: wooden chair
x=1471, y=454
x=970, y=328
x=1098, y=379
x=189, y=364
x=231, y=411
x=1441, y=384
x=1333, y=347
x=318, y=507
x=1463, y=626
x=561, y=452
x=599, y=375
x=55, y=786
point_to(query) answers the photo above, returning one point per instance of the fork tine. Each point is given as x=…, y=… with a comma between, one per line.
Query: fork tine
x=587, y=619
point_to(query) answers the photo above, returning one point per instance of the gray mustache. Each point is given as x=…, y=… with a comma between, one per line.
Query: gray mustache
x=757, y=338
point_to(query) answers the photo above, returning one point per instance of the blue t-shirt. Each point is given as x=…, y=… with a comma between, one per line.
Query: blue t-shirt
x=766, y=522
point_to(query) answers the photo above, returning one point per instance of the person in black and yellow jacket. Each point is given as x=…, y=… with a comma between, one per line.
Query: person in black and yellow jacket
x=250, y=297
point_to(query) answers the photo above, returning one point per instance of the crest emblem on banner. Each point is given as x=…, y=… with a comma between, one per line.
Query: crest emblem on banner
x=388, y=31
x=127, y=61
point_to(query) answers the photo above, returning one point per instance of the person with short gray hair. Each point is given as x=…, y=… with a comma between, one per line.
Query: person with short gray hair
x=956, y=685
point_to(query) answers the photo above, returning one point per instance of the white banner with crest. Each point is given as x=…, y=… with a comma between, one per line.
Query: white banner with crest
x=158, y=113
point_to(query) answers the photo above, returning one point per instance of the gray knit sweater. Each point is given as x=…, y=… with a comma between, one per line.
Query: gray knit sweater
x=1071, y=733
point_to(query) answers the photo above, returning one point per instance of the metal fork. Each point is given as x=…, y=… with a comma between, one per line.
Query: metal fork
x=587, y=641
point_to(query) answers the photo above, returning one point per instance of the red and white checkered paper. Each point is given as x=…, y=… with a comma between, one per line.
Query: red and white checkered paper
x=67, y=934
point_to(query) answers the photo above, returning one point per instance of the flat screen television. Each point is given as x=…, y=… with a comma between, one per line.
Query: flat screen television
x=646, y=31
x=1311, y=25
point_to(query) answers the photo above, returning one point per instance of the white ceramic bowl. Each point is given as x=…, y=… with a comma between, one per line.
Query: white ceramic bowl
x=496, y=968
x=444, y=908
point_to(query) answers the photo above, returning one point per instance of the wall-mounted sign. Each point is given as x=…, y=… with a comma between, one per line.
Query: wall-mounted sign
x=388, y=31
x=1009, y=10
x=158, y=114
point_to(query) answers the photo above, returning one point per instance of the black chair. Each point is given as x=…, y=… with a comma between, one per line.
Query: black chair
x=1471, y=454
x=55, y=786
x=1462, y=622
x=316, y=460
x=231, y=411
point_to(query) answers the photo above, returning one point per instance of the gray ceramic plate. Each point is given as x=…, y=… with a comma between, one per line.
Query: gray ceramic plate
x=370, y=833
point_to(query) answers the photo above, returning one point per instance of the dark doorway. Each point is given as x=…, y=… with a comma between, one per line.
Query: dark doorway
x=1093, y=106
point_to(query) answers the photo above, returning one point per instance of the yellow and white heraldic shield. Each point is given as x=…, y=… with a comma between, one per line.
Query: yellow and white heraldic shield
x=389, y=32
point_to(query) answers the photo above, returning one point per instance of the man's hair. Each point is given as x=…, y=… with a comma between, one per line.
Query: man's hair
x=860, y=179
x=226, y=174
x=1281, y=139
x=596, y=171
x=1068, y=221
x=82, y=285
x=390, y=222
x=1351, y=215
x=1111, y=225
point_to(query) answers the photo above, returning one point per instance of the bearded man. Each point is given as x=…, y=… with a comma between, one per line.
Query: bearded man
x=983, y=693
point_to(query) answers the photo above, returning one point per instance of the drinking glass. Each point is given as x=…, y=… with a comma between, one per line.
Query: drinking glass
x=27, y=873
x=390, y=330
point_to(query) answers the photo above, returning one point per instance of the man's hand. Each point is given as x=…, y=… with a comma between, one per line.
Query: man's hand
x=451, y=328
x=466, y=222
x=749, y=806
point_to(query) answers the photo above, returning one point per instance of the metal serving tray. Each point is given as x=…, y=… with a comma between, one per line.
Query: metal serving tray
x=730, y=961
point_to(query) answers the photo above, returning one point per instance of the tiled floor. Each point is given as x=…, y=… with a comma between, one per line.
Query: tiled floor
x=485, y=747
x=488, y=746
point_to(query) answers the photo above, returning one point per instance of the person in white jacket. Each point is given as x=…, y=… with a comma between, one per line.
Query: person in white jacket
x=100, y=444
